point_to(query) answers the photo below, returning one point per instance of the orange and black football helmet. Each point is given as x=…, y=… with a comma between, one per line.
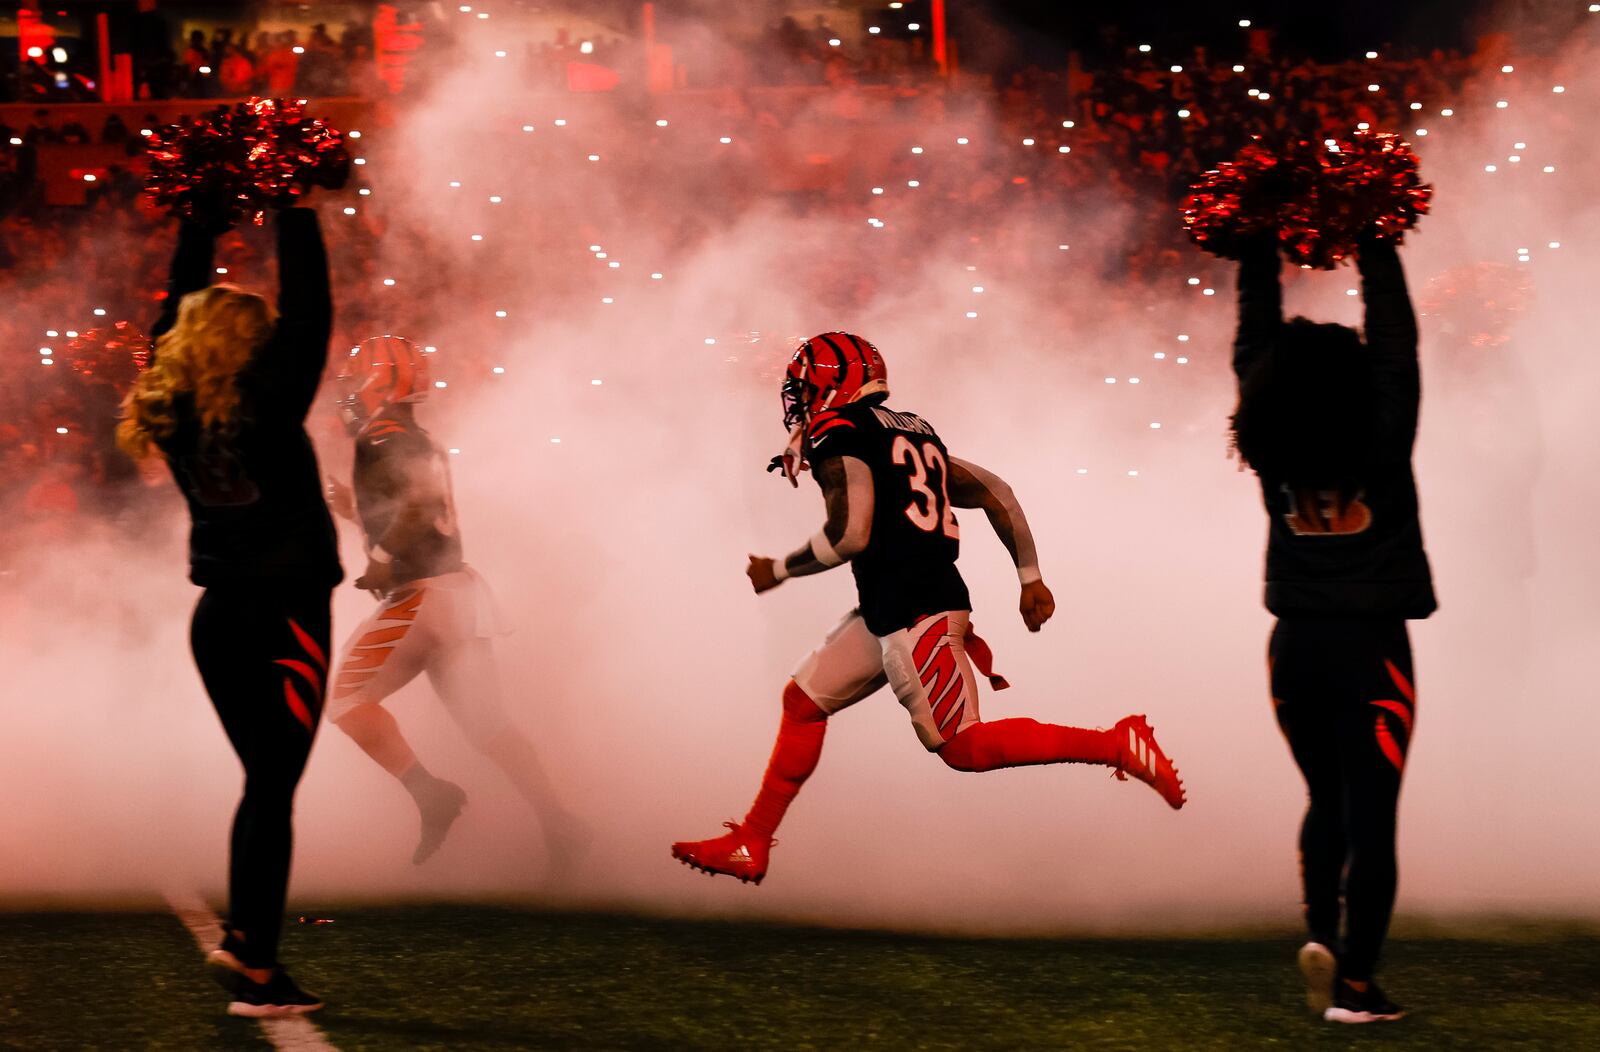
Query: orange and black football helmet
x=383, y=370
x=831, y=370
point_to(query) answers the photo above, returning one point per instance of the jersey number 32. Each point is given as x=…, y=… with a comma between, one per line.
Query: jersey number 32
x=930, y=509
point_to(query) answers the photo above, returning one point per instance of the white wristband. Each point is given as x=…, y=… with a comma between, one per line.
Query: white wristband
x=378, y=555
x=1027, y=575
x=823, y=550
x=780, y=569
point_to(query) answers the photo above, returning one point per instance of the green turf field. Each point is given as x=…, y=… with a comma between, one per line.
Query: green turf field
x=469, y=977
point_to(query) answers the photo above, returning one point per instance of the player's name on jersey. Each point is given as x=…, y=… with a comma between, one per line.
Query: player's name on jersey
x=902, y=421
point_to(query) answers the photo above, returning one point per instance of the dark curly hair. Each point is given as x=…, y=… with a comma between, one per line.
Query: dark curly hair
x=1306, y=412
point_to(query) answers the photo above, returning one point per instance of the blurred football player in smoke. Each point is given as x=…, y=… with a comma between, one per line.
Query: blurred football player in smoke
x=436, y=614
x=891, y=490
x=1327, y=419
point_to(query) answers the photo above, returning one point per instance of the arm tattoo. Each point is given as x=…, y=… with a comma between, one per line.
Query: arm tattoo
x=847, y=491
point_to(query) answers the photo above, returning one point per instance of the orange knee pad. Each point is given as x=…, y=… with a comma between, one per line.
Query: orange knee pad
x=797, y=705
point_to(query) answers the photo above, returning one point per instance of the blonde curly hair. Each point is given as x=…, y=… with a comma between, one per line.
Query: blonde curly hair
x=217, y=331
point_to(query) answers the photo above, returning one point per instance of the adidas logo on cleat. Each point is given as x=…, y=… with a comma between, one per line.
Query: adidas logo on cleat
x=735, y=854
x=1146, y=756
x=1142, y=758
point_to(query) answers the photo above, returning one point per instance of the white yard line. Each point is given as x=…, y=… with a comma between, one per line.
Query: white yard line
x=293, y=1033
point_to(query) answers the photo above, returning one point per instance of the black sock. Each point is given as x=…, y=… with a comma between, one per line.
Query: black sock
x=419, y=783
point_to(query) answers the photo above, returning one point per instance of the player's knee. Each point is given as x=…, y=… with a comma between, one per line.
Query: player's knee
x=499, y=740
x=958, y=759
x=352, y=714
x=489, y=728
x=797, y=705
x=965, y=753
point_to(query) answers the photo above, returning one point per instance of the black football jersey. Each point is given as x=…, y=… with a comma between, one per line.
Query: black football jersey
x=909, y=566
x=398, y=466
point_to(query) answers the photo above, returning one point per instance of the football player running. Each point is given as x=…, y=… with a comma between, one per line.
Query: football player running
x=435, y=615
x=891, y=490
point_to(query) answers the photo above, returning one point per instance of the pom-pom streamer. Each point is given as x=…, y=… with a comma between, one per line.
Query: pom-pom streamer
x=112, y=355
x=1316, y=199
x=238, y=161
x=1477, y=303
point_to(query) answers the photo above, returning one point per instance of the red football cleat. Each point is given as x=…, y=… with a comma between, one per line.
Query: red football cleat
x=736, y=853
x=1140, y=756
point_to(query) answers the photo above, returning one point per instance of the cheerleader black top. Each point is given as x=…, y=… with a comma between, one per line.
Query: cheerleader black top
x=1354, y=554
x=253, y=487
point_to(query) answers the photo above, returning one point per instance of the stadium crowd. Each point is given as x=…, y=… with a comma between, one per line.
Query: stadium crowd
x=1123, y=140
x=230, y=62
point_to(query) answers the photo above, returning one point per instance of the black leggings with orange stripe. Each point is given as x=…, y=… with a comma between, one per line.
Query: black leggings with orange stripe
x=1342, y=688
x=263, y=655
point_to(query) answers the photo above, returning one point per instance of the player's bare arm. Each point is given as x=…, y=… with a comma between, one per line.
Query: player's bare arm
x=847, y=493
x=341, y=500
x=974, y=487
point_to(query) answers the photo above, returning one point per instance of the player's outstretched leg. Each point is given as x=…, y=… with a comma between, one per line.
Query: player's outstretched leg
x=386, y=652
x=467, y=678
x=439, y=802
x=743, y=851
x=928, y=666
x=1129, y=747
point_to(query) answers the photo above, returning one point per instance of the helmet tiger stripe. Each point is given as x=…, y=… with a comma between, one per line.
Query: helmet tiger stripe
x=829, y=370
x=382, y=370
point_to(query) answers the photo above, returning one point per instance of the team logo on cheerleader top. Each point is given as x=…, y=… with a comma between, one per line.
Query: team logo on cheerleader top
x=1325, y=513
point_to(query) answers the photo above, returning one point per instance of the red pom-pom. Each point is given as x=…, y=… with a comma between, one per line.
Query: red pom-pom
x=1316, y=199
x=112, y=355
x=1476, y=304
x=260, y=154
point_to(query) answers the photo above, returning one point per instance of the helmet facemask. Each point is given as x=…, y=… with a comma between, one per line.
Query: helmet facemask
x=798, y=395
x=372, y=379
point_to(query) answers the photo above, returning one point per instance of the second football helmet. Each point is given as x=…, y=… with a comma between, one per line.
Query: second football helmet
x=383, y=370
